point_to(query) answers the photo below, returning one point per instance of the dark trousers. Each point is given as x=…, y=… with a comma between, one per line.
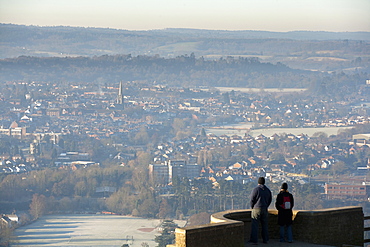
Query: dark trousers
x=259, y=215
x=289, y=233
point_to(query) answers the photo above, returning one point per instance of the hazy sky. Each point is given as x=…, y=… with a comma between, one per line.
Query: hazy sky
x=270, y=15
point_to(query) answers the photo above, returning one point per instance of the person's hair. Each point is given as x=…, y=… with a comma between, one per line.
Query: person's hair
x=284, y=186
x=261, y=180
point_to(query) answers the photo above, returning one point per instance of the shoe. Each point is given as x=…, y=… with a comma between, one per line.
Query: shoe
x=265, y=242
x=252, y=243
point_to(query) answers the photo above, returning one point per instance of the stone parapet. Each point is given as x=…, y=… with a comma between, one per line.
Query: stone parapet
x=333, y=226
x=226, y=234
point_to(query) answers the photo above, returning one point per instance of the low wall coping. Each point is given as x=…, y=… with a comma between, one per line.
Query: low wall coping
x=244, y=214
x=242, y=219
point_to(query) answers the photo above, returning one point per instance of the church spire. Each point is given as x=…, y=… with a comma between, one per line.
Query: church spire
x=120, y=99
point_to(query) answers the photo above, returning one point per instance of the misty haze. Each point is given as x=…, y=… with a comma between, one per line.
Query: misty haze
x=116, y=137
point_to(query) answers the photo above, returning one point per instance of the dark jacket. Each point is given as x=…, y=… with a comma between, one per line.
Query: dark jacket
x=284, y=215
x=261, y=197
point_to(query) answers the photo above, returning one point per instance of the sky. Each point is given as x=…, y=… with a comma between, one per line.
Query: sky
x=267, y=15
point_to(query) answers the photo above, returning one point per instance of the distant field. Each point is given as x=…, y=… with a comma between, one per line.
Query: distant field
x=178, y=47
x=89, y=230
x=320, y=59
x=241, y=129
x=54, y=54
x=257, y=90
x=262, y=57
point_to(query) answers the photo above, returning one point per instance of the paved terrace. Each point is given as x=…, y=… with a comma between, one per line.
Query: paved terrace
x=337, y=227
x=275, y=242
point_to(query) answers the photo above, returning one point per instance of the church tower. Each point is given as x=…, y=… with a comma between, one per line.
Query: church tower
x=120, y=99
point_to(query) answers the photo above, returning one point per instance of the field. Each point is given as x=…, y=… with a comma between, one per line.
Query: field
x=241, y=129
x=258, y=90
x=89, y=230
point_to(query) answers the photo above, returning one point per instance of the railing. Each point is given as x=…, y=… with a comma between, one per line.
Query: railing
x=366, y=229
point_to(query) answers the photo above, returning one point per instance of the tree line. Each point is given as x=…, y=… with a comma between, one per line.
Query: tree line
x=57, y=190
x=184, y=71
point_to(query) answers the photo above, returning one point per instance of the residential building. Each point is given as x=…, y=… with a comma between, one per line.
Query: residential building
x=361, y=140
x=347, y=191
x=14, y=130
x=165, y=172
x=158, y=173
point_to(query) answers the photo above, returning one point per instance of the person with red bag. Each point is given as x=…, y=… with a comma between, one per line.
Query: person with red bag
x=284, y=204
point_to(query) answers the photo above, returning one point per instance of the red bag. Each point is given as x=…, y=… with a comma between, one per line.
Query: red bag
x=286, y=202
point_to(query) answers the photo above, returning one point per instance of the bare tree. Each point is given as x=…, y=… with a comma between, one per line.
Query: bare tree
x=38, y=206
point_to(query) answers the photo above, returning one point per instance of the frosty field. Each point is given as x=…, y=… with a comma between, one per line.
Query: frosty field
x=89, y=230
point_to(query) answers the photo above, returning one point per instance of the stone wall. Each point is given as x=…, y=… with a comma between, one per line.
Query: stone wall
x=226, y=234
x=333, y=226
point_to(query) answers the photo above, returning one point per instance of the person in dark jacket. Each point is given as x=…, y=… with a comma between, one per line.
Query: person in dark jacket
x=260, y=201
x=284, y=204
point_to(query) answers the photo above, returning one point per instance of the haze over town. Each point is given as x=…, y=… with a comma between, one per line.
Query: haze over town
x=171, y=110
x=269, y=15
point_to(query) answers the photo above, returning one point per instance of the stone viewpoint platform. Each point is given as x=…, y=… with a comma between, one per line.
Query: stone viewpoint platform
x=326, y=227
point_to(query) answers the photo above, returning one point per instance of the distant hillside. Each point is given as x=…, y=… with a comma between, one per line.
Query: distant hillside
x=180, y=71
x=296, y=35
x=323, y=51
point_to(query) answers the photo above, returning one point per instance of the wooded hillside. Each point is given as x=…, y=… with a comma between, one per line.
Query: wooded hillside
x=323, y=51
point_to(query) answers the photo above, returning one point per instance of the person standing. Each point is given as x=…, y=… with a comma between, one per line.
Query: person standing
x=260, y=201
x=284, y=204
